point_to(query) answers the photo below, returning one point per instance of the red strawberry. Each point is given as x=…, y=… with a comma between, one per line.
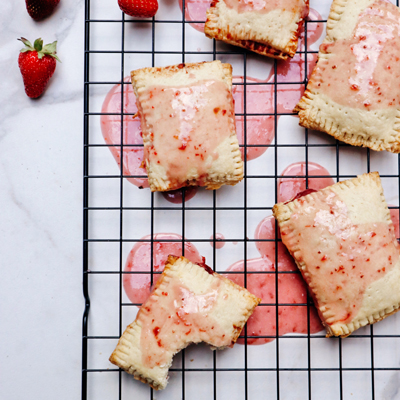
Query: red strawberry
x=37, y=64
x=139, y=8
x=39, y=9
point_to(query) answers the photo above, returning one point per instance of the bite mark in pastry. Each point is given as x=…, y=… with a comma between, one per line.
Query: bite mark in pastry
x=267, y=27
x=343, y=241
x=188, y=125
x=354, y=92
x=189, y=304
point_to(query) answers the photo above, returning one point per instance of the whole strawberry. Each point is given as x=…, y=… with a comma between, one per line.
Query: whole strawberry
x=139, y=8
x=37, y=64
x=40, y=9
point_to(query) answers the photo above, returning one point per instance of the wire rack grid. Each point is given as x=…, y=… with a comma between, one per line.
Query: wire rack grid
x=117, y=216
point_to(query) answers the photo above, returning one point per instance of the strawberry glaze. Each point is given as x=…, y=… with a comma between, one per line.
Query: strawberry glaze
x=176, y=318
x=362, y=72
x=131, y=133
x=288, y=188
x=183, y=128
x=218, y=241
x=261, y=6
x=342, y=258
x=137, y=286
x=292, y=318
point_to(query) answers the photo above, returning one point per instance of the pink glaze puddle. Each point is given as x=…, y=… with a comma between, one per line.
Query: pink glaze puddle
x=218, y=243
x=176, y=196
x=137, y=286
x=288, y=188
x=291, y=290
x=131, y=135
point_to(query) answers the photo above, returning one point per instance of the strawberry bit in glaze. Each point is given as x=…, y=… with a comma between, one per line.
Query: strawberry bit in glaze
x=177, y=320
x=367, y=64
x=186, y=112
x=325, y=226
x=137, y=286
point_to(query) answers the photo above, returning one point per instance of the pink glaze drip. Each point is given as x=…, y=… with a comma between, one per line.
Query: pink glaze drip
x=342, y=258
x=185, y=126
x=291, y=290
x=175, y=319
x=296, y=7
x=131, y=135
x=218, y=243
x=176, y=196
x=362, y=72
x=137, y=286
x=288, y=188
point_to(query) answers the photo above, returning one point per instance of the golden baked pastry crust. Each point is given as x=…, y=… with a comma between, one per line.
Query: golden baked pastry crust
x=381, y=297
x=377, y=129
x=253, y=31
x=227, y=166
x=232, y=305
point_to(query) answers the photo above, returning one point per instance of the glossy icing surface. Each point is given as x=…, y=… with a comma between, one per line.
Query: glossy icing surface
x=363, y=71
x=266, y=6
x=342, y=258
x=185, y=126
x=178, y=317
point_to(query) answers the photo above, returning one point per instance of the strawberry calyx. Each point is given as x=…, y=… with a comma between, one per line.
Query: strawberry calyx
x=48, y=49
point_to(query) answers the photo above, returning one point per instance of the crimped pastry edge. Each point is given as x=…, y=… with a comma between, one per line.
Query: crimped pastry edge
x=283, y=211
x=119, y=355
x=167, y=76
x=310, y=110
x=215, y=29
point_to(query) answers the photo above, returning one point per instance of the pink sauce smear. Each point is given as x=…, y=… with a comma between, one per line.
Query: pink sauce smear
x=342, y=258
x=137, y=285
x=362, y=72
x=177, y=318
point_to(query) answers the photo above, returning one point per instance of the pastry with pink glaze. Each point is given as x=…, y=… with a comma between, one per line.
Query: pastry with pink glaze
x=268, y=27
x=189, y=304
x=188, y=125
x=344, y=243
x=353, y=93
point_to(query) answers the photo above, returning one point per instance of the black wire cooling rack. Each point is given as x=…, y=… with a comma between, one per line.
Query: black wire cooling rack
x=364, y=366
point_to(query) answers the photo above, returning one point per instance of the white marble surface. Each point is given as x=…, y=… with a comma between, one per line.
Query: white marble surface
x=41, y=220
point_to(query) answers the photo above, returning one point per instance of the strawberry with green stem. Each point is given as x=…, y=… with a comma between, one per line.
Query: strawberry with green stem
x=37, y=64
